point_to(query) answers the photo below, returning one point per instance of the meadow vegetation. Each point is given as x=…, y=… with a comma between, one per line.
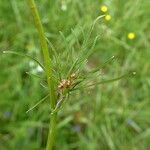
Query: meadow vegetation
x=108, y=115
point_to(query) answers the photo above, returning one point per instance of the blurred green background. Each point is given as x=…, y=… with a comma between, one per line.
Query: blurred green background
x=112, y=116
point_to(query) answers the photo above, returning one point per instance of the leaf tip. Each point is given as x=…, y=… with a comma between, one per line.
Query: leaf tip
x=27, y=111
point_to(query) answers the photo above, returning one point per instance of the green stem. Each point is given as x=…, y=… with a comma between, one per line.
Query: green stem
x=49, y=73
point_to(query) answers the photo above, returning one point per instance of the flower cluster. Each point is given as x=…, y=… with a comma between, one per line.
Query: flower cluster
x=104, y=9
x=67, y=83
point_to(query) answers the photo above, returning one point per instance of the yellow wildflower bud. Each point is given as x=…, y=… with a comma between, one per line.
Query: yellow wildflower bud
x=108, y=17
x=131, y=35
x=104, y=8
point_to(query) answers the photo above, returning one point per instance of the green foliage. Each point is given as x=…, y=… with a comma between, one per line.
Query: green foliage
x=106, y=116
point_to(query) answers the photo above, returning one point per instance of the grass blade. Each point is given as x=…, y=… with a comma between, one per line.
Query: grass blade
x=35, y=75
x=25, y=55
x=108, y=81
x=102, y=66
x=43, y=99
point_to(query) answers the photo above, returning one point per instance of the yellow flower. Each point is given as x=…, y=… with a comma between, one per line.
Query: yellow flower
x=104, y=8
x=108, y=17
x=131, y=35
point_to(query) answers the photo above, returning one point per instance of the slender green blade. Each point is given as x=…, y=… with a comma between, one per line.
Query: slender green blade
x=25, y=55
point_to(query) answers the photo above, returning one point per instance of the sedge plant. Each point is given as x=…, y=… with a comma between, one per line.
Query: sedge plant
x=58, y=82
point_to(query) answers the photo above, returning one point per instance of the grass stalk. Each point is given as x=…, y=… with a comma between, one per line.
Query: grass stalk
x=49, y=73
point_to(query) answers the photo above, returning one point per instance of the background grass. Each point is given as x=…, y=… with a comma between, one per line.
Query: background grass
x=110, y=116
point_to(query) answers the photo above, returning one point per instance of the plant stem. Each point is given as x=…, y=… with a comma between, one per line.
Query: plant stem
x=49, y=73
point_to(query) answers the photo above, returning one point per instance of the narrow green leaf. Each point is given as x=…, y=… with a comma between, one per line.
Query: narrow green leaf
x=102, y=66
x=44, y=86
x=25, y=55
x=55, y=56
x=84, y=46
x=35, y=75
x=43, y=99
x=108, y=81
